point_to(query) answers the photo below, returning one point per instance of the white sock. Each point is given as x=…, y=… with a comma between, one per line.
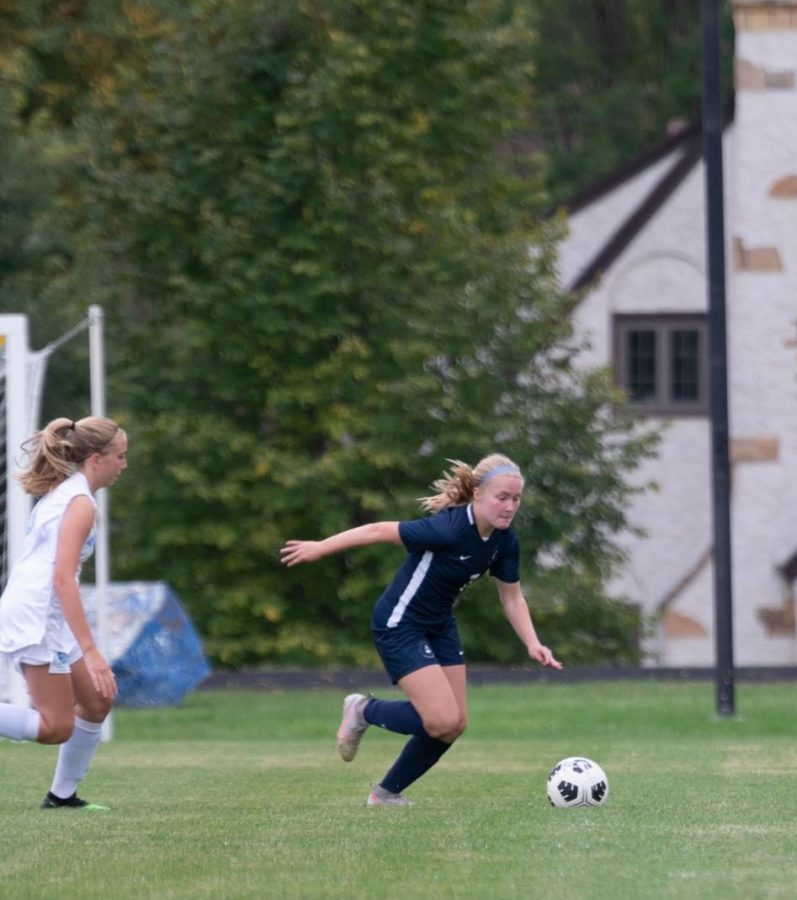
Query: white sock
x=74, y=757
x=19, y=723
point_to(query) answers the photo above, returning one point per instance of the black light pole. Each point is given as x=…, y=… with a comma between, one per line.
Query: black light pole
x=718, y=363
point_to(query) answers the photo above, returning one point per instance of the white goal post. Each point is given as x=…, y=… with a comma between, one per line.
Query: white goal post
x=17, y=418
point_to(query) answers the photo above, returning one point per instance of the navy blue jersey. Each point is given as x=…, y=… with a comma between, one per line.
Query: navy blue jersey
x=445, y=554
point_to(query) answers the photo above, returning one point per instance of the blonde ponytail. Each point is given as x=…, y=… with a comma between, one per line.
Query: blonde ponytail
x=455, y=487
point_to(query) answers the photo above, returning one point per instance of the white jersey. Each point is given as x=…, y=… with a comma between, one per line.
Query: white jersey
x=30, y=612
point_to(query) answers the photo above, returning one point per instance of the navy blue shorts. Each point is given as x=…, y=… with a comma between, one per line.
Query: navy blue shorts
x=409, y=647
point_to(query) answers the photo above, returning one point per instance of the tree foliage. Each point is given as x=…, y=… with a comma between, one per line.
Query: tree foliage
x=321, y=281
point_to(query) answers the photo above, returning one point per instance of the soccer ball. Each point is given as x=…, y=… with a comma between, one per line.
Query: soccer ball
x=577, y=781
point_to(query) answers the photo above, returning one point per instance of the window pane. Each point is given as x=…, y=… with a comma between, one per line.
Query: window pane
x=684, y=368
x=661, y=362
x=641, y=355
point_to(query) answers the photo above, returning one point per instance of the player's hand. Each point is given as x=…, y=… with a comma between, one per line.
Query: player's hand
x=295, y=552
x=101, y=673
x=544, y=656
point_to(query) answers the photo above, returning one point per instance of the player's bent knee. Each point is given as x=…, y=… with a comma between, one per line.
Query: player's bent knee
x=97, y=710
x=57, y=732
x=445, y=728
x=459, y=730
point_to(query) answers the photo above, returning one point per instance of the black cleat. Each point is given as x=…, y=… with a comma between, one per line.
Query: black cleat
x=51, y=801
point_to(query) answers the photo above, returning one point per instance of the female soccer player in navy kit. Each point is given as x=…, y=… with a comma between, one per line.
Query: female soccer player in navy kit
x=413, y=622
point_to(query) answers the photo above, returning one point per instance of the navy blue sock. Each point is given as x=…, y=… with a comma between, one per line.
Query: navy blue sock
x=394, y=715
x=420, y=753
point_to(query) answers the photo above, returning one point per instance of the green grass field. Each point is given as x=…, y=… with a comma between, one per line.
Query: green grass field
x=241, y=794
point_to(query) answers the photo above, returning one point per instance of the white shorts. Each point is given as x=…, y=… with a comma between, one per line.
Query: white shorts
x=59, y=661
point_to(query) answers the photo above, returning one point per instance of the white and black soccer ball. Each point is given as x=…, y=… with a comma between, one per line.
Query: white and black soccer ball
x=577, y=781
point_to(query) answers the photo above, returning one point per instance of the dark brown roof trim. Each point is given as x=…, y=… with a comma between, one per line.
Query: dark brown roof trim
x=789, y=569
x=690, y=139
x=630, y=169
x=642, y=215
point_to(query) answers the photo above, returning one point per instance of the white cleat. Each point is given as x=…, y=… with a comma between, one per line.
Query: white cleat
x=379, y=796
x=352, y=726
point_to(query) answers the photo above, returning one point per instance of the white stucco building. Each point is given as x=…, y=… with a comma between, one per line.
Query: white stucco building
x=637, y=246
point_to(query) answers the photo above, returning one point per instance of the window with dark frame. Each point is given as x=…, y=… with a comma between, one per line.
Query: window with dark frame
x=661, y=362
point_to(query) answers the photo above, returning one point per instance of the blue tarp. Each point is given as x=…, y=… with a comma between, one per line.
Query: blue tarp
x=154, y=649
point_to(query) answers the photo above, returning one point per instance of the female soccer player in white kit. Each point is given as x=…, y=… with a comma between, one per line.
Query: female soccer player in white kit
x=43, y=625
x=413, y=622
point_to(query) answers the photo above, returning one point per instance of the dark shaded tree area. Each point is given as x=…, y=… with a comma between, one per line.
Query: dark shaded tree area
x=609, y=77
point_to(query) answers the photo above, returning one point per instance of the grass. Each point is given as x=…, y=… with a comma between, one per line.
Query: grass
x=241, y=795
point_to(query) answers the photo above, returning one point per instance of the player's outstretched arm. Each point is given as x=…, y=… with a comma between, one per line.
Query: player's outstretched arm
x=295, y=552
x=517, y=612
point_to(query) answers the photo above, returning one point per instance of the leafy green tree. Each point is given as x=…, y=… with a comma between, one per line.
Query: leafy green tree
x=55, y=59
x=35, y=247
x=70, y=51
x=321, y=281
x=325, y=290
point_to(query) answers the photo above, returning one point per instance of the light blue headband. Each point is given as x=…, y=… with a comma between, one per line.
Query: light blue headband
x=499, y=470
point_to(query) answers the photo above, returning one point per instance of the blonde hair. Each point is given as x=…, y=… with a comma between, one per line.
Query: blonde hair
x=60, y=448
x=456, y=486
